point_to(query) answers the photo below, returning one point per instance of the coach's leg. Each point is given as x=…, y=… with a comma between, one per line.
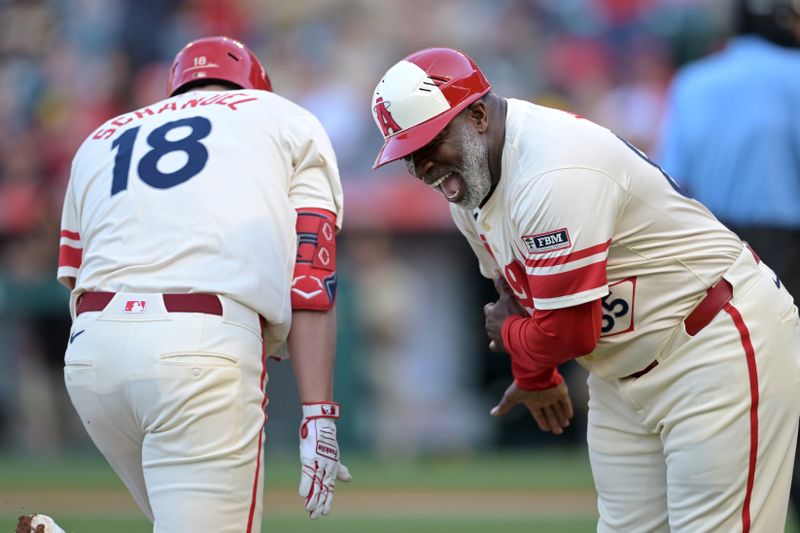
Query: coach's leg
x=767, y=315
x=726, y=402
x=627, y=464
x=704, y=419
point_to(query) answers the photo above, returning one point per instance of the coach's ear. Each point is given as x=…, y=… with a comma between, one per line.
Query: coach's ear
x=478, y=115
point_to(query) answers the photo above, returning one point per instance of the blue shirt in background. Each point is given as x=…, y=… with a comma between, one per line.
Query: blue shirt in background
x=732, y=134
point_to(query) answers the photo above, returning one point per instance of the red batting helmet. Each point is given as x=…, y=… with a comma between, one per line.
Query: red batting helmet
x=420, y=95
x=216, y=59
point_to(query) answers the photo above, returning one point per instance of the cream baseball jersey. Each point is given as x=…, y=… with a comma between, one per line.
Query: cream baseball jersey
x=197, y=193
x=579, y=214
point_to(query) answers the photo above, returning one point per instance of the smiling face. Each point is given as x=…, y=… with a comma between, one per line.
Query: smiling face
x=456, y=162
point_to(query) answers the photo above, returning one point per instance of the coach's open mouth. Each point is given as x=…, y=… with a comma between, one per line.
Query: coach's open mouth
x=452, y=186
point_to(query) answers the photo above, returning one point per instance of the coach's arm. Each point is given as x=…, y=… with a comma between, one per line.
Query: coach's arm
x=537, y=345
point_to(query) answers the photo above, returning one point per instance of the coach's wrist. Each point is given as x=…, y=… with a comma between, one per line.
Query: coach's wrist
x=532, y=382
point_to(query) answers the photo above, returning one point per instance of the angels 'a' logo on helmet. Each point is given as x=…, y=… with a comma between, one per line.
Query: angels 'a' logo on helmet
x=423, y=93
x=384, y=118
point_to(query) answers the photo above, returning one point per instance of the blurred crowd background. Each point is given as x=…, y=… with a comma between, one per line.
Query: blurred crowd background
x=413, y=370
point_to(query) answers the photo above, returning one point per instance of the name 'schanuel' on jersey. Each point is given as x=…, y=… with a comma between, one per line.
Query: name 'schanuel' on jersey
x=227, y=99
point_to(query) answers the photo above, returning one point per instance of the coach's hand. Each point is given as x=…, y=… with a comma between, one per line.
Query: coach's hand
x=319, y=456
x=497, y=312
x=551, y=408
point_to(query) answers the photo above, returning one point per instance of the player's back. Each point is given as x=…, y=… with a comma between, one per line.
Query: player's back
x=191, y=194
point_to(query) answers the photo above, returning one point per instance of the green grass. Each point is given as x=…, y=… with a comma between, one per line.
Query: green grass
x=74, y=472
x=344, y=524
x=441, y=525
x=530, y=471
x=93, y=525
x=569, y=470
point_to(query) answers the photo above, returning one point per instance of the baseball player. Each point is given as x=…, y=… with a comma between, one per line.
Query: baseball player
x=198, y=234
x=693, y=346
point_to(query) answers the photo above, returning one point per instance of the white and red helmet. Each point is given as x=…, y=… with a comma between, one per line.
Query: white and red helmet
x=420, y=95
x=216, y=59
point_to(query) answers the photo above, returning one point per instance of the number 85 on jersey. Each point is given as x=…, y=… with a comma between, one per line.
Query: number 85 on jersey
x=618, y=308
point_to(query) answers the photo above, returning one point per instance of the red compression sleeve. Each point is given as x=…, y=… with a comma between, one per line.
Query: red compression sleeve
x=539, y=343
x=314, y=280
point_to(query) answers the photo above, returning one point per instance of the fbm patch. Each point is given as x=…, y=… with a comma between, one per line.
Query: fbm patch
x=547, y=242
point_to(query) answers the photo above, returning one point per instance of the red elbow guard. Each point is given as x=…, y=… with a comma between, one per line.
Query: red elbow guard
x=314, y=282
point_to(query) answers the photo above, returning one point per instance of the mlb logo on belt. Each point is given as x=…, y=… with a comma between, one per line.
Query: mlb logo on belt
x=135, y=306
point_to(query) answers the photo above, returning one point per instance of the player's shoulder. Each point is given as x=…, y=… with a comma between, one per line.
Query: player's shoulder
x=243, y=106
x=287, y=113
x=276, y=104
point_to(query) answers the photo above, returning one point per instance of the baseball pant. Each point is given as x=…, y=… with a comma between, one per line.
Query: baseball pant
x=705, y=441
x=175, y=402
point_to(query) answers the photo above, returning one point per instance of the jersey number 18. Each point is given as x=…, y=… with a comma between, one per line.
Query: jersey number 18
x=196, y=152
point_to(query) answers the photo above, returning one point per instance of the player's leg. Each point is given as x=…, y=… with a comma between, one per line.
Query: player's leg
x=203, y=416
x=627, y=464
x=93, y=374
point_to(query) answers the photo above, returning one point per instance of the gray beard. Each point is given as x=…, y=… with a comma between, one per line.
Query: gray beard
x=474, y=169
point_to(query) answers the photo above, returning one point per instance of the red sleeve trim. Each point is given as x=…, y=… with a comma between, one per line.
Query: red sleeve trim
x=74, y=235
x=571, y=282
x=574, y=256
x=69, y=256
x=546, y=381
x=539, y=343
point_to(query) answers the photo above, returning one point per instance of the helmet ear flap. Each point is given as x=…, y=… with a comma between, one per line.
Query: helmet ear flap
x=420, y=95
x=216, y=59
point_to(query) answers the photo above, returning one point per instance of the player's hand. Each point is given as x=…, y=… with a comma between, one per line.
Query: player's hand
x=551, y=408
x=319, y=457
x=497, y=312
